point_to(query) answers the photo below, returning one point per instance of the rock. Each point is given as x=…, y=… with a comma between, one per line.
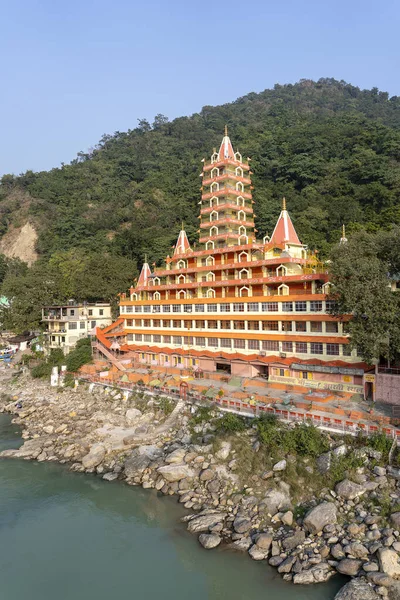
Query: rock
x=264, y=541
x=48, y=429
x=207, y=475
x=150, y=451
x=337, y=552
x=357, y=589
x=381, y=579
x=287, y=564
x=340, y=450
x=279, y=466
x=380, y=471
x=224, y=451
x=349, y=490
x=395, y=520
x=357, y=550
x=203, y=522
x=388, y=562
x=110, y=476
x=243, y=544
x=176, y=457
x=209, y=540
x=274, y=501
x=175, y=472
x=94, y=458
x=304, y=578
x=135, y=465
x=133, y=415
x=320, y=516
x=349, y=566
x=257, y=554
x=214, y=486
x=267, y=475
x=241, y=524
x=292, y=541
x=287, y=518
x=324, y=462
x=370, y=567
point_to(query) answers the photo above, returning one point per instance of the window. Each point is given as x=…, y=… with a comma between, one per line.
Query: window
x=270, y=325
x=188, y=340
x=82, y=325
x=187, y=308
x=157, y=338
x=305, y=375
x=156, y=308
x=315, y=306
x=147, y=309
x=199, y=307
x=315, y=326
x=166, y=308
x=147, y=337
x=287, y=346
x=200, y=324
x=225, y=307
x=332, y=349
x=252, y=306
x=346, y=350
x=269, y=306
x=90, y=312
x=253, y=325
x=212, y=342
x=238, y=325
x=146, y=322
x=92, y=324
x=176, y=308
x=212, y=324
x=239, y=343
x=129, y=323
x=166, y=323
x=270, y=345
x=226, y=343
x=331, y=327
x=238, y=307
x=300, y=306
x=101, y=312
x=253, y=344
x=286, y=325
x=281, y=372
x=129, y=337
x=72, y=312
x=301, y=347
x=156, y=322
x=177, y=339
x=200, y=341
x=225, y=324
x=330, y=305
x=176, y=323
x=138, y=337
x=316, y=348
x=301, y=326
x=167, y=339
x=187, y=324
x=138, y=309
x=287, y=306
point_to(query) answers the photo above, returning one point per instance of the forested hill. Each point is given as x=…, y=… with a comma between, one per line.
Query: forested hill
x=330, y=148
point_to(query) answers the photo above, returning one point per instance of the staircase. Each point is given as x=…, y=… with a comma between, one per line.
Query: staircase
x=98, y=346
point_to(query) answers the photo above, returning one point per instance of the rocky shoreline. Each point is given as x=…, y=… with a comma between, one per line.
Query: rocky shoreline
x=145, y=440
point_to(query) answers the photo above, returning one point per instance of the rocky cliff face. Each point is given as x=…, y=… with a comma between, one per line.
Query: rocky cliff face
x=20, y=242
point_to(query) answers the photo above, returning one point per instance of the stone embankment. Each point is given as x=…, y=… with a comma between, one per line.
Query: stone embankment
x=342, y=530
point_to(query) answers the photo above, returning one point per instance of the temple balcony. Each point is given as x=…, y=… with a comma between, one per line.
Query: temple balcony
x=226, y=205
x=226, y=221
x=226, y=191
x=227, y=177
x=208, y=164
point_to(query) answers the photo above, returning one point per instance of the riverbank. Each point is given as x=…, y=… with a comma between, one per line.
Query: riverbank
x=282, y=512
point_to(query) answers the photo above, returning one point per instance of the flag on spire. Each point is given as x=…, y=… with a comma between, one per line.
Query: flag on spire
x=284, y=231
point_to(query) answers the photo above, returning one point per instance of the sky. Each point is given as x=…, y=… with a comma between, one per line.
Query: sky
x=72, y=71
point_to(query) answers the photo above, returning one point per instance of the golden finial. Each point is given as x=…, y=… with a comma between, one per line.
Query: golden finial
x=283, y=203
x=182, y=227
x=343, y=231
x=145, y=258
x=226, y=129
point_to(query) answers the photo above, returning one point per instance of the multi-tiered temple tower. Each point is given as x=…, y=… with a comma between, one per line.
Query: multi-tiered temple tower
x=237, y=304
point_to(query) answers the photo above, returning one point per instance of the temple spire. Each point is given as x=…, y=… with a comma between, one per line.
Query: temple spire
x=284, y=232
x=182, y=245
x=226, y=148
x=343, y=239
x=145, y=273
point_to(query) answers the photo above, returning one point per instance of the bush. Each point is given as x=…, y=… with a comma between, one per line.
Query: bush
x=303, y=439
x=204, y=414
x=166, y=405
x=231, y=423
x=80, y=355
x=379, y=441
x=55, y=359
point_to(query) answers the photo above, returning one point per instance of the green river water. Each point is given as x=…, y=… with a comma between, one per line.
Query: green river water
x=68, y=536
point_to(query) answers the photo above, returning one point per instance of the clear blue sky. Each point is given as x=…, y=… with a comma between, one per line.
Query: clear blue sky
x=73, y=70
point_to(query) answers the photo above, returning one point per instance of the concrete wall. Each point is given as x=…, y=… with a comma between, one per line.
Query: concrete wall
x=242, y=370
x=387, y=388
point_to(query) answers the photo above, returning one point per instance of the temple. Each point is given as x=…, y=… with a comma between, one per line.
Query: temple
x=237, y=304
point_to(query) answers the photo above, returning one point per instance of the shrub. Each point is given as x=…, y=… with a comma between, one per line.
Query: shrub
x=303, y=439
x=379, y=441
x=204, y=414
x=80, y=355
x=231, y=423
x=166, y=405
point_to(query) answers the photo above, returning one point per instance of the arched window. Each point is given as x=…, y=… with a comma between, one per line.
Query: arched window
x=238, y=156
x=241, y=215
x=210, y=276
x=181, y=264
x=210, y=260
x=214, y=230
x=214, y=216
x=214, y=187
x=214, y=201
x=214, y=157
x=210, y=245
x=239, y=186
x=244, y=292
x=214, y=172
x=240, y=201
x=244, y=274
x=181, y=279
x=326, y=288
x=239, y=171
x=281, y=271
x=156, y=281
x=210, y=293
x=157, y=296
x=283, y=290
x=243, y=256
x=266, y=239
x=243, y=239
x=242, y=230
x=181, y=294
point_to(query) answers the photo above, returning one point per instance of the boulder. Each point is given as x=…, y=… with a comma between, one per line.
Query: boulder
x=95, y=456
x=257, y=554
x=287, y=564
x=274, y=501
x=357, y=550
x=176, y=457
x=388, y=562
x=224, y=451
x=349, y=566
x=279, y=466
x=304, y=578
x=395, y=520
x=209, y=540
x=133, y=415
x=324, y=462
x=135, y=465
x=320, y=516
x=203, y=522
x=357, y=589
x=241, y=524
x=174, y=472
x=340, y=450
x=337, y=552
x=207, y=475
x=349, y=490
x=292, y=541
x=264, y=541
x=150, y=451
x=287, y=518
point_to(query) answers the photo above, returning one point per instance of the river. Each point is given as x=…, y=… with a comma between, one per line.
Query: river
x=71, y=536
